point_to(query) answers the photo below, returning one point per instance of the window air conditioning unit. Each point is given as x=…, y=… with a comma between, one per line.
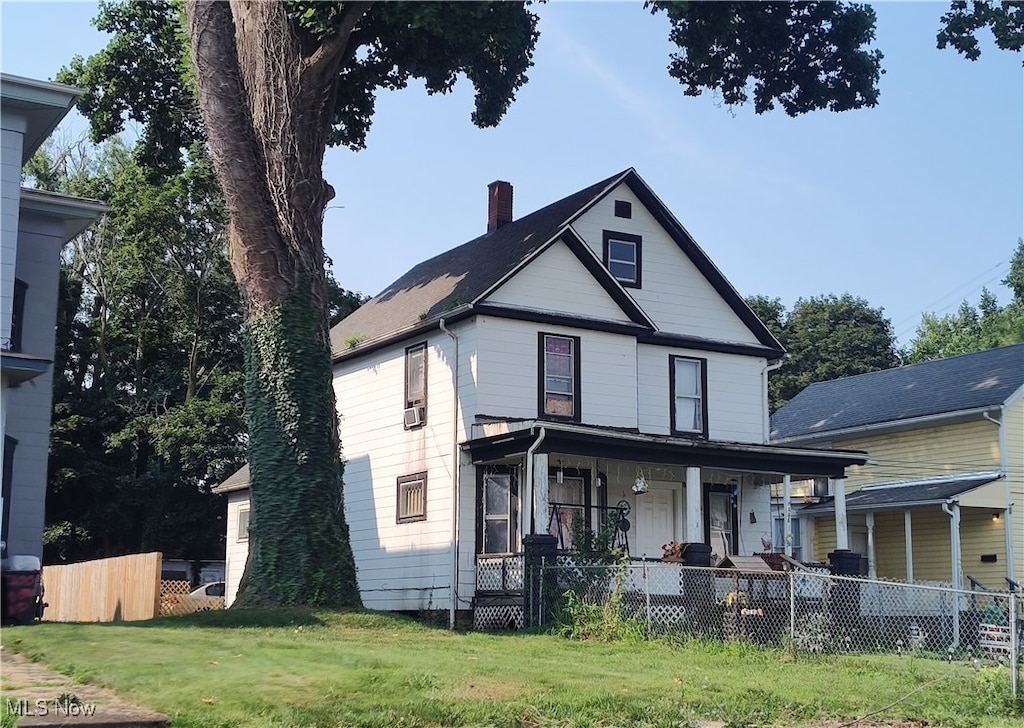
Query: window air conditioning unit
x=413, y=416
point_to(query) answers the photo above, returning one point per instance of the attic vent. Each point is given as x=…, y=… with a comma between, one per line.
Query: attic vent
x=499, y=205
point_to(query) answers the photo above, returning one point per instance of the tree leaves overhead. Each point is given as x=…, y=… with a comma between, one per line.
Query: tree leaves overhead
x=961, y=25
x=802, y=55
x=141, y=76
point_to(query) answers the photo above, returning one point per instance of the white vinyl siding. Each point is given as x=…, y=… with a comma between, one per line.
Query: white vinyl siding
x=735, y=399
x=674, y=294
x=236, y=550
x=557, y=281
x=405, y=566
x=507, y=373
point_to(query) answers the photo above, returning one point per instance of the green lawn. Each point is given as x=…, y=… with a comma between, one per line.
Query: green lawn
x=295, y=668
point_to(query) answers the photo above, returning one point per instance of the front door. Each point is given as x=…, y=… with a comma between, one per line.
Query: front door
x=655, y=521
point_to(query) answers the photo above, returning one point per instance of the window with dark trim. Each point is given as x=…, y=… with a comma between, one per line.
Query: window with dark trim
x=415, y=386
x=623, y=208
x=622, y=256
x=412, y=498
x=8, y=475
x=721, y=518
x=498, y=510
x=243, y=524
x=18, y=314
x=688, y=382
x=559, y=369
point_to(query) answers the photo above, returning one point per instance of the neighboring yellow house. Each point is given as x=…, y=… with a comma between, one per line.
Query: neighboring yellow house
x=942, y=495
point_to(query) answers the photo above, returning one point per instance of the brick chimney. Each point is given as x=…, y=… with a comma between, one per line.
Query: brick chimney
x=499, y=205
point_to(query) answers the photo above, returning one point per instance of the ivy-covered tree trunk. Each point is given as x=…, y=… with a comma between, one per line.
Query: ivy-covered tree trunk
x=266, y=91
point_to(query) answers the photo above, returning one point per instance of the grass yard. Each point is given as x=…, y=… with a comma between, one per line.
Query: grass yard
x=297, y=668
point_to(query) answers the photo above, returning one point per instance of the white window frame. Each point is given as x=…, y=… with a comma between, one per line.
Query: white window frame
x=242, y=534
x=700, y=396
x=411, y=504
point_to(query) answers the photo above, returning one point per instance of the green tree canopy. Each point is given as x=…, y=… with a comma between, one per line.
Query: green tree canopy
x=974, y=328
x=826, y=337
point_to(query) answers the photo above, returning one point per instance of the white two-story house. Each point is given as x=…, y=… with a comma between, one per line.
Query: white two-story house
x=587, y=361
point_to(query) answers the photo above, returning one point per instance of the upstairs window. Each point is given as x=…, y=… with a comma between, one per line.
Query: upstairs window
x=688, y=382
x=622, y=257
x=412, y=498
x=17, y=314
x=415, y=414
x=559, y=377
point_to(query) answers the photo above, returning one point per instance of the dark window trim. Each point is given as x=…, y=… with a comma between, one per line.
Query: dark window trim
x=513, y=507
x=18, y=314
x=707, y=490
x=607, y=237
x=402, y=480
x=409, y=403
x=676, y=432
x=542, y=378
x=623, y=208
x=10, y=444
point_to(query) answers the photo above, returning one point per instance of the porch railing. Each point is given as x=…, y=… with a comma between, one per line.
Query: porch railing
x=499, y=573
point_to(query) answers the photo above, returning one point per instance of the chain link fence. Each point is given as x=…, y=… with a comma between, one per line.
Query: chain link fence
x=811, y=610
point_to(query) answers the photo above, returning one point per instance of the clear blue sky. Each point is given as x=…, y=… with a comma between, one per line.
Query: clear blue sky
x=913, y=205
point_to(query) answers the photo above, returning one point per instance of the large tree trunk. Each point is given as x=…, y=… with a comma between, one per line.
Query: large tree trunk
x=266, y=94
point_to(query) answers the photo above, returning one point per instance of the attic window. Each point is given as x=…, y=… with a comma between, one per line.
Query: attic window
x=622, y=257
x=623, y=209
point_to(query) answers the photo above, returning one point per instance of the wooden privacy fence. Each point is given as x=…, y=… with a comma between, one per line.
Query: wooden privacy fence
x=123, y=588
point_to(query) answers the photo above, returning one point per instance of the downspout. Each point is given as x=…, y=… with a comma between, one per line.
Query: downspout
x=455, y=478
x=952, y=509
x=528, y=502
x=1005, y=470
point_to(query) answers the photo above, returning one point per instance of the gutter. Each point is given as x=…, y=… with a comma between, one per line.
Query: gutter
x=889, y=426
x=454, y=591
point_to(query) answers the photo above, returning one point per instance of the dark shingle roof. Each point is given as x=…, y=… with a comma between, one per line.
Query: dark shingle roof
x=921, y=492
x=966, y=382
x=459, y=276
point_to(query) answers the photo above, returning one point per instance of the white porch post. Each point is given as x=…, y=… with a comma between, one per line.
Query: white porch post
x=839, y=499
x=540, y=494
x=694, y=506
x=908, y=539
x=787, y=516
x=872, y=566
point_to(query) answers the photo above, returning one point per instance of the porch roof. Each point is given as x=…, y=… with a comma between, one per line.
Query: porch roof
x=906, y=493
x=508, y=439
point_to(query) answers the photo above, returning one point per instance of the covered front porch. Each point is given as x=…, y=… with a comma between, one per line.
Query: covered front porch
x=572, y=485
x=949, y=529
